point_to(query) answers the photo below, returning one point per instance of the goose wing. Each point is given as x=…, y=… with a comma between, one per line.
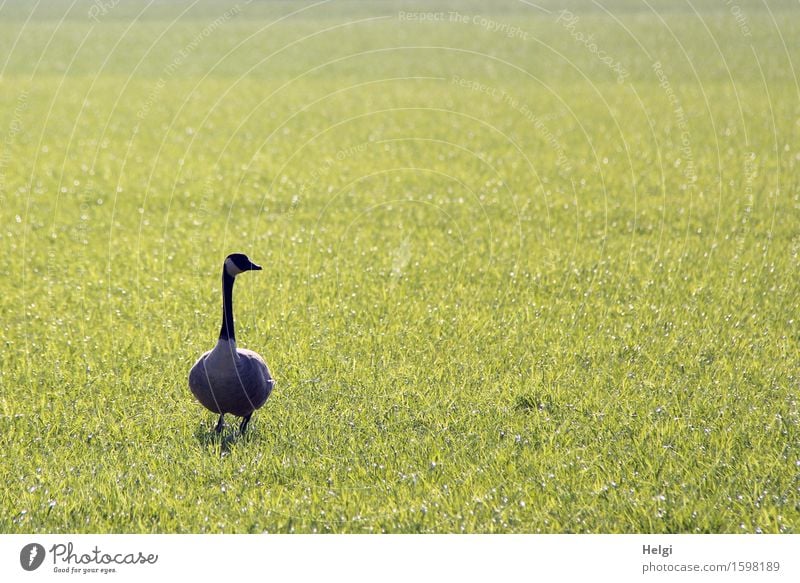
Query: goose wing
x=255, y=376
x=200, y=385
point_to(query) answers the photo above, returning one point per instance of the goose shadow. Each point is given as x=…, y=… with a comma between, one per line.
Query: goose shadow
x=222, y=442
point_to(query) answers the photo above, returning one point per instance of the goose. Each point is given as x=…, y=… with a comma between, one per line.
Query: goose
x=228, y=379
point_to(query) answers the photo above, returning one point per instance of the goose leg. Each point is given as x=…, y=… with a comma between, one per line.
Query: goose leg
x=245, y=421
x=220, y=424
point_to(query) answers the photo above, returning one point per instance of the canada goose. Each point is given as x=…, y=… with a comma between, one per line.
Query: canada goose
x=228, y=379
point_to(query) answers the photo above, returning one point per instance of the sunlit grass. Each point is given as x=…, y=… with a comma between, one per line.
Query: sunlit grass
x=502, y=291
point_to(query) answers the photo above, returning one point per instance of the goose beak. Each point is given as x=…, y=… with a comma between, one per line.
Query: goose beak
x=255, y=267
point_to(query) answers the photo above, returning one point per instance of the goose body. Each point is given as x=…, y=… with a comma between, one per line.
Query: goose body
x=228, y=379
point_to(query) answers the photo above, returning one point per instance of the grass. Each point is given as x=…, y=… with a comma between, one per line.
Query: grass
x=503, y=291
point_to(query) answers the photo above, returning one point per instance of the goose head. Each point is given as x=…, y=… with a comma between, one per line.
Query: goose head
x=237, y=263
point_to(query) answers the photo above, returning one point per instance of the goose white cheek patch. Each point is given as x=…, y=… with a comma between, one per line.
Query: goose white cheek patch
x=231, y=268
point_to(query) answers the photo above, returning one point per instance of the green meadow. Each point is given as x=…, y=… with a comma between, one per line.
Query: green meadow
x=526, y=268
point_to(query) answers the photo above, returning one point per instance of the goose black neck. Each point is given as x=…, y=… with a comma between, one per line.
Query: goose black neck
x=227, y=332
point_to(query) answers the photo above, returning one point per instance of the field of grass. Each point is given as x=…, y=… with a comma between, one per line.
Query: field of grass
x=526, y=270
